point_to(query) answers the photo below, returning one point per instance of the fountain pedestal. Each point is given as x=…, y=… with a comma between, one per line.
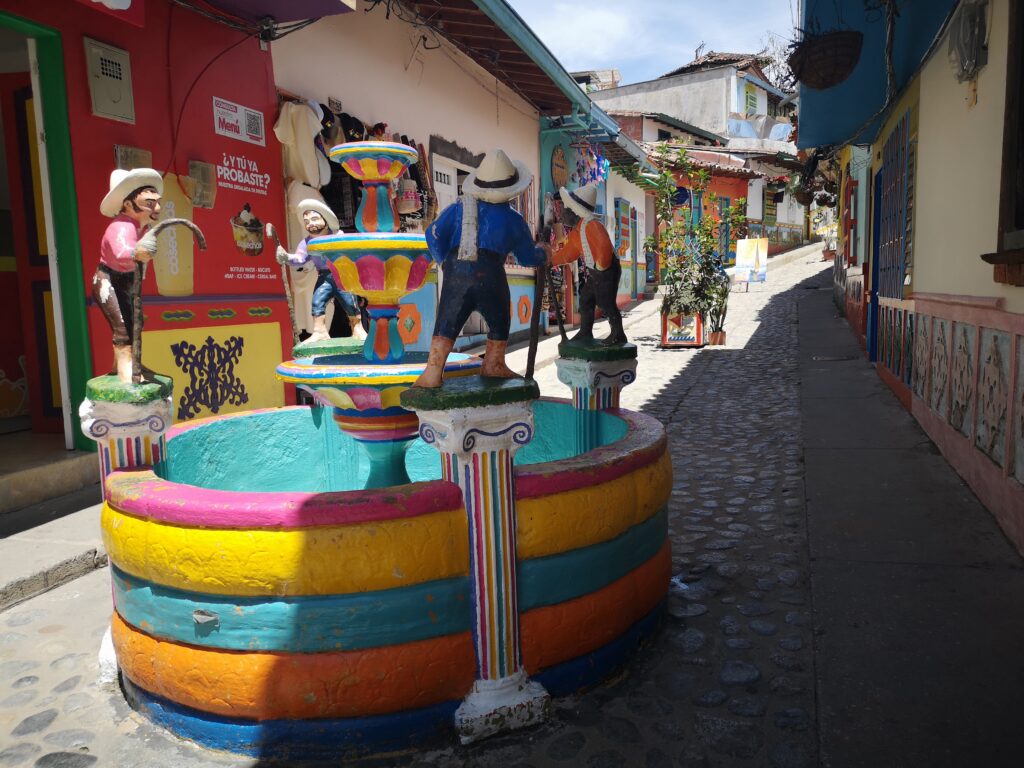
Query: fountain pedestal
x=596, y=375
x=478, y=425
x=127, y=421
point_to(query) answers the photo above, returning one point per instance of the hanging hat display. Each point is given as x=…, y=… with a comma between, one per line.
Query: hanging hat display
x=124, y=182
x=498, y=179
x=408, y=196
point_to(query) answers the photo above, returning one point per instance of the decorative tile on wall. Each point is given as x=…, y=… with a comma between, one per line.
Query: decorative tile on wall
x=1018, y=421
x=961, y=391
x=993, y=394
x=908, y=348
x=940, y=365
x=920, y=374
x=897, y=343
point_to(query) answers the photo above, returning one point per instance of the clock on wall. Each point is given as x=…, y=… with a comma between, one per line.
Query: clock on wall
x=559, y=168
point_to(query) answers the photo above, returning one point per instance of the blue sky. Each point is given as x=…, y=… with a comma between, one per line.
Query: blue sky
x=644, y=39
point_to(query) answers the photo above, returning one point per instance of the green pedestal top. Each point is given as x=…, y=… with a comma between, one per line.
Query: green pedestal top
x=347, y=345
x=110, y=389
x=470, y=392
x=594, y=351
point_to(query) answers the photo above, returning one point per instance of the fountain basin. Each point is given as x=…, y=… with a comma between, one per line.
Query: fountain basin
x=365, y=398
x=381, y=266
x=337, y=623
x=374, y=161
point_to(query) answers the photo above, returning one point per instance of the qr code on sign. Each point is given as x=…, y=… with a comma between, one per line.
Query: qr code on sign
x=254, y=126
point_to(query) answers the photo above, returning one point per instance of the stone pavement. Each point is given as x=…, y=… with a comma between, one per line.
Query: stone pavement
x=768, y=656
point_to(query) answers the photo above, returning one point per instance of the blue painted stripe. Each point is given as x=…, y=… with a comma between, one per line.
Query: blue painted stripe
x=299, y=739
x=358, y=737
x=373, y=619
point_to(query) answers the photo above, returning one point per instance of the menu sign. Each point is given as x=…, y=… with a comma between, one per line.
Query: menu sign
x=238, y=122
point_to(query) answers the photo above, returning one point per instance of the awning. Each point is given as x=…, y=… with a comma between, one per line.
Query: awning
x=282, y=10
x=849, y=111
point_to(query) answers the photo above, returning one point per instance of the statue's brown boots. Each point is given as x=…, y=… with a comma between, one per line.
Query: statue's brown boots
x=494, y=361
x=432, y=374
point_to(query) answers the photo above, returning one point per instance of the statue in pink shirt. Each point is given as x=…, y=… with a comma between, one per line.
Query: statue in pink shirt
x=134, y=204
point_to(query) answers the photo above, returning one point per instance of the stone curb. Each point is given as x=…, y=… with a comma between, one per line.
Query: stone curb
x=20, y=590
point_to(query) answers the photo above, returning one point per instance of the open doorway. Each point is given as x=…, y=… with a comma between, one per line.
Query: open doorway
x=31, y=391
x=30, y=395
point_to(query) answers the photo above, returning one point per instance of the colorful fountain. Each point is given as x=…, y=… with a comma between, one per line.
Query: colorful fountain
x=382, y=265
x=276, y=597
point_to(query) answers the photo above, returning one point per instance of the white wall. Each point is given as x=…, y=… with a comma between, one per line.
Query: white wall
x=959, y=166
x=755, y=199
x=698, y=98
x=618, y=186
x=380, y=72
x=789, y=211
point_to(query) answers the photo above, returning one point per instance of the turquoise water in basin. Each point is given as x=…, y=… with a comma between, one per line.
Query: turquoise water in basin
x=302, y=449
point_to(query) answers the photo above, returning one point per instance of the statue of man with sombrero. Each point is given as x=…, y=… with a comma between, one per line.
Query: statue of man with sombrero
x=471, y=239
x=319, y=220
x=600, y=271
x=133, y=203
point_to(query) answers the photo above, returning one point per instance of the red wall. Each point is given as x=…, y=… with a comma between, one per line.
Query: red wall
x=180, y=61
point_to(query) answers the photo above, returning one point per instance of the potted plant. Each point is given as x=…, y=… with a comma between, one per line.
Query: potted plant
x=719, y=283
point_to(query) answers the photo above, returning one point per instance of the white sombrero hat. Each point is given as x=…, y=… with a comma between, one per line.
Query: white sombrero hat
x=582, y=201
x=123, y=183
x=498, y=179
x=309, y=204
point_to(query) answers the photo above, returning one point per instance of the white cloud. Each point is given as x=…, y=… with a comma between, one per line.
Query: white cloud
x=647, y=38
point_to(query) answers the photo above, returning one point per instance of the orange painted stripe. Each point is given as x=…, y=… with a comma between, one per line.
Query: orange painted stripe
x=560, y=632
x=381, y=342
x=266, y=686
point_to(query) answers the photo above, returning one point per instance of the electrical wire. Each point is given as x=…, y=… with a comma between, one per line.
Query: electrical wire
x=184, y=102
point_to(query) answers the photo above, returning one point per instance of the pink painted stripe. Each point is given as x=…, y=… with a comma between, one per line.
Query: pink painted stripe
x=643, y=445
x=142, y=494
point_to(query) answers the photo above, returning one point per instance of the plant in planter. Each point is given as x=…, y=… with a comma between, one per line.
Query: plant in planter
x=719, y=284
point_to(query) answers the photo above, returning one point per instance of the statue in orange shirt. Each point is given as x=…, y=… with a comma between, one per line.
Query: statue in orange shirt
x=600, y=271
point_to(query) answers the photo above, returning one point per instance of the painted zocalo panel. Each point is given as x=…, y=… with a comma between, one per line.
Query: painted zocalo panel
x=962, y=378
x=993, y=395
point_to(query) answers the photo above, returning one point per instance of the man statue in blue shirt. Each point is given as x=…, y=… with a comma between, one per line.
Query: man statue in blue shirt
x=471, y=240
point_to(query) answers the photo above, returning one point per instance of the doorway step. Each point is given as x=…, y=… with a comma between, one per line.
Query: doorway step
x=36, y=467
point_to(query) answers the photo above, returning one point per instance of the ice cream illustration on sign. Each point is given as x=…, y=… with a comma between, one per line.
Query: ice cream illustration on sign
x=248, y=232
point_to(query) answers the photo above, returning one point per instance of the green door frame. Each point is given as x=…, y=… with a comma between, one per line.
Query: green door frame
x=67, y=245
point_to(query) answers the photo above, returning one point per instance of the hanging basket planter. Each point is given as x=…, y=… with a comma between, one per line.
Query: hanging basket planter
x=803, y=196
x=824, y=60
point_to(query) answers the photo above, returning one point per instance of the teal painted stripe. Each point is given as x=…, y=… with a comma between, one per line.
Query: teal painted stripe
x=300, y=625
x=373, y=619
x=568, y=575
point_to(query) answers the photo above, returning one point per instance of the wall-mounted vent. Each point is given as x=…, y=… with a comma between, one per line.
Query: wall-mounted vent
x=110, y=81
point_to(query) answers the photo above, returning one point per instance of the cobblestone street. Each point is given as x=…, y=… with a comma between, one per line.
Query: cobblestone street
x=729, y=681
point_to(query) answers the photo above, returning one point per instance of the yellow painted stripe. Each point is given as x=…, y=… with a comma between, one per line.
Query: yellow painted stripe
x=376, y=555
x=311, y=561
x=366, y=244
x=551, y=524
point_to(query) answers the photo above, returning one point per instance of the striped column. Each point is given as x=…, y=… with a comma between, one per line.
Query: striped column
x=128, y=434
x=477, y=445
x=596, y=386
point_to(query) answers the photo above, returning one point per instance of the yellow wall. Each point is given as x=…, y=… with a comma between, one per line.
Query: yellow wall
x=958, y=174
